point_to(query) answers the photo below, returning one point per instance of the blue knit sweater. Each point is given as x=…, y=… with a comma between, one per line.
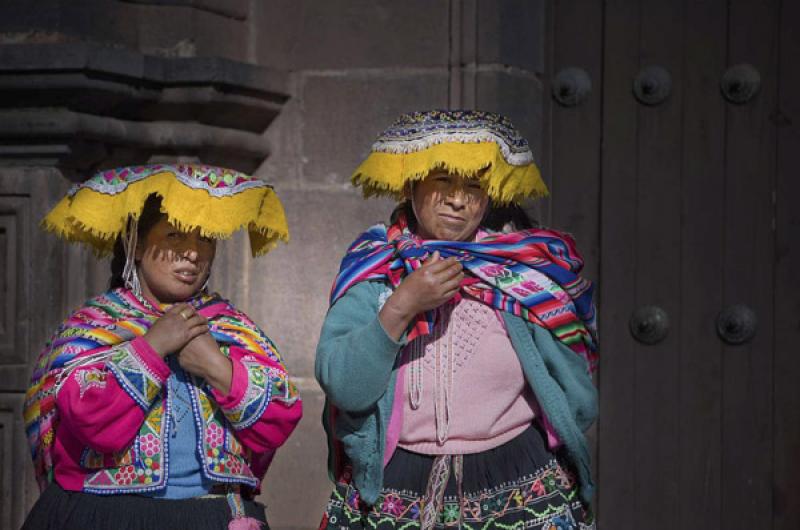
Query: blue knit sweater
x=356, y=366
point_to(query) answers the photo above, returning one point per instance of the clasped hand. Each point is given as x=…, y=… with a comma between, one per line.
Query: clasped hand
x=183, y=331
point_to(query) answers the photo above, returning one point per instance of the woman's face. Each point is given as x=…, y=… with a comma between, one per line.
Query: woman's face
x=448, y=207
x=173, y=265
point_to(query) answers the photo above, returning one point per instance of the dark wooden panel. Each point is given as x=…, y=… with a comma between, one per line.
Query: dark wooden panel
x=8, y=292
x=748, y=278
x=575, y=166
x=575, y=180
x=40, y=274
x=88, y=275
x=7, y=428
x=786, y=429
x=48, y=279
x=617, y=269
x=658, y=272
x=16, y=472
x=699, y=392
x=15, y=259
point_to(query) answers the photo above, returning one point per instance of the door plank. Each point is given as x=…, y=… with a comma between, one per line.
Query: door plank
x=658, y=275
x=575, y=188
x=617, y=268
x=699, y=391
x=748, y=278
x=786, y=430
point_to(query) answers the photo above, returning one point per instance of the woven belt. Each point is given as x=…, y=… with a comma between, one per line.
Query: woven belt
x=433, y=501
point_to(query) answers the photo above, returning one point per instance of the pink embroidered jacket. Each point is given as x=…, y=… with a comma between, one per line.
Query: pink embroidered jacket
x=106, y=430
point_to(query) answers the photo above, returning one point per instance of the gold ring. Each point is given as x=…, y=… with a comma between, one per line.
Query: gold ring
x=183, y=314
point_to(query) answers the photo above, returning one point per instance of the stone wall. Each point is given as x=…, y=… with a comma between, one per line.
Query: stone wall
x=353, y=66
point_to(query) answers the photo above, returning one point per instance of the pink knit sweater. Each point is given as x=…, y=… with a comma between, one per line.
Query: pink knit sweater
x=469, y=370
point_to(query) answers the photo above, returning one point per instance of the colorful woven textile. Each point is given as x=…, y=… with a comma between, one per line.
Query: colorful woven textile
x=545, y=501
x=516, y=486
x=217, y=201
x=533, y=274
x=92, y=332
x=465, y=142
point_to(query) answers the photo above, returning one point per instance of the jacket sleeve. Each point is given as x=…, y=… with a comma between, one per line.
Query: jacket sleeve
x=103, y=404
x=571, y=372
x=262, y=406
x=355, y=355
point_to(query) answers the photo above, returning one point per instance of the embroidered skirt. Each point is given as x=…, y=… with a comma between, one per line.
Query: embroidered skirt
x=58, y=509
x=518, y=485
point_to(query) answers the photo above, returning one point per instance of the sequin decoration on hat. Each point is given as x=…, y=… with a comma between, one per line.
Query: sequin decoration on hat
x=218, y=201
x=464, y=142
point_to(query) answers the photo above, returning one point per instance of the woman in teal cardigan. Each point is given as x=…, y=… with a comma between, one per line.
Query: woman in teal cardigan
x=456, y=360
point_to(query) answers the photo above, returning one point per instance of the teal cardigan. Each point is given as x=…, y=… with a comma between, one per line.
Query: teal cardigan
x=357, y=365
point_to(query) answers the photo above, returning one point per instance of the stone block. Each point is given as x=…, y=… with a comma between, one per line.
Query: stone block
x=183, y=31
x=519, y=97
x=236, y=9
x=165, y=31
x=285, y=163
x=511, y=32
x=98, y=21
x=18, y=17
x=296, y=488
x=60, y=21
x=343, y=114
x=286, y=292
x=219, y=36
x=339, y=34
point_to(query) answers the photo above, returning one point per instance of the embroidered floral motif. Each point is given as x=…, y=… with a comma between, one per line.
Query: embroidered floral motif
x=223, y=454
x=89, y=378
x=393, y=504
x=214, y=436
x=142, y=467
x=150, y=444
x=546, y=500
x=134, y=376
x=125, y=475
x=450, y=513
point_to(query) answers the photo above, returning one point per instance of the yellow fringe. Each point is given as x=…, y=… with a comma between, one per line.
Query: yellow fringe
x=387, y=173
x=97, y=219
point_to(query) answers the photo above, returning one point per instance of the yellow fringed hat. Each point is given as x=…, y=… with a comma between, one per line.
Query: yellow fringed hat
x=463, y=142
x=217, y=201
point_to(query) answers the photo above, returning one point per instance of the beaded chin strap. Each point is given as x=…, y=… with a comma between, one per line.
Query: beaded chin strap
x=129, y=275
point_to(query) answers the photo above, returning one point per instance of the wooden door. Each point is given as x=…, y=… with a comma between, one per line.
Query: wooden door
x=27, y=305
x=41, y=278
x=695, y=227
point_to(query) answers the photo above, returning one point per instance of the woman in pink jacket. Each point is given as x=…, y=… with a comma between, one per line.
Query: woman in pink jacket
x=158, y=404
